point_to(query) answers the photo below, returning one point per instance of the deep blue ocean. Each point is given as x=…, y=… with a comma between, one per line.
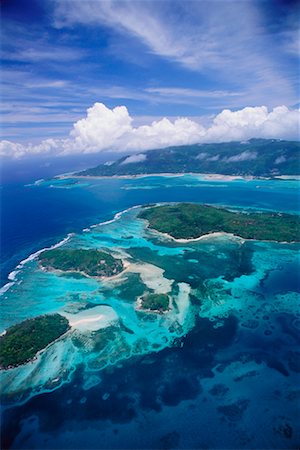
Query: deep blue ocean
x=230, y=380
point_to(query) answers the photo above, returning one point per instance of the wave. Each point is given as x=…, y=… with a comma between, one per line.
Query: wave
x=37, y=182
x=116, y=217
x=13, y=275
x=5, y=288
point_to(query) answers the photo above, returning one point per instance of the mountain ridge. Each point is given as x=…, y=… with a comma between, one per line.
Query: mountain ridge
x=256, y=157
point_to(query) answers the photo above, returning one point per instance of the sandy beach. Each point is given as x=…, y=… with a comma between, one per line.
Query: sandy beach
x=200, y=238
x=204, y=176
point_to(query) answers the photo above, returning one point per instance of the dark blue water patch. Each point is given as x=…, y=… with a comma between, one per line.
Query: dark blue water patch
x=143, y=383
x=234, y=411
x=275, y=349
x=37, y=217
x=285, y=278
x=150, y=385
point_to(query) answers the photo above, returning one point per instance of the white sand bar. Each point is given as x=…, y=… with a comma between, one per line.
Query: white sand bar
x=153, y=277
x=92, y=319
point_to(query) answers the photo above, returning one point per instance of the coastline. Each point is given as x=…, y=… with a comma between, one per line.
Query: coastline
x=13, y=274
x=213, y=235
x=39, y=352
x=125, y=263
x=204, y=176
x=207, y=236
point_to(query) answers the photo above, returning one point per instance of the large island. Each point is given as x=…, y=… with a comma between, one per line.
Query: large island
x=89, y=262
x=192, y=221
x=20, y=343
x=256, y=157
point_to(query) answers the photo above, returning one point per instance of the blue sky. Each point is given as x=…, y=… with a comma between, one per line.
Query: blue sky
x=159, y=58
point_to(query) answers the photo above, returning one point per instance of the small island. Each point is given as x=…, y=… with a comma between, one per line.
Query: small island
x=90, y=262
x=192, y=221
x=155, y=302
x=23, y=341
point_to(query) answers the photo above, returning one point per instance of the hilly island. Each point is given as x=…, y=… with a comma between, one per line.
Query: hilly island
x=21, y=342
x=88, y=262
x=256, y=157
x=192, y=221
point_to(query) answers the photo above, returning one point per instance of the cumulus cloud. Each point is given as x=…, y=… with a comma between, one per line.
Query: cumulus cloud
x=105, y=129
x=201, y=156
x=244, y=156
x=101, y=128
x=135, y=159
x=280, y=160
x=249, y=122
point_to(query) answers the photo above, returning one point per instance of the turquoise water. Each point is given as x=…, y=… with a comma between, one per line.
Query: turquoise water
x=226, y=356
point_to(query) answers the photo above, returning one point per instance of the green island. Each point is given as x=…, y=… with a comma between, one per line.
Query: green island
x=155, y=302
x=256, y=157
x=91, y=262
x=191, y=221
x=23, y=341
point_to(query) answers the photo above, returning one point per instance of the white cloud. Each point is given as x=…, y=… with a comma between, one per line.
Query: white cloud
x=280, y=160
x=254, y=122
x=185, y=92
x=164, y=132
x=135, y=158
x=105, y=129
x=244, y=156
x=101, y=128
x=201, y=156
x=224, y=36
x=213, y=158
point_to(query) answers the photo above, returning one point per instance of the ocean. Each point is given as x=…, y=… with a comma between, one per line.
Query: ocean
x=226, y=357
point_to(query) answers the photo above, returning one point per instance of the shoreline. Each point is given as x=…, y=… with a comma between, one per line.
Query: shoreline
x=126, y=265
x=13, y=274
x=212, y=235
x=205, y=176
x=39, y=352
x=215, y=234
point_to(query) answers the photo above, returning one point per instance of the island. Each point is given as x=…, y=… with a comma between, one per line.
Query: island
x=255, y=157
x=155, y=302
x=88, y=262
x=192, y=221
x=20, y=343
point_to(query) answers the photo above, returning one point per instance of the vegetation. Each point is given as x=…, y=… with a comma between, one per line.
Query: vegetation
x=21, y=342
x=256, y=157
x=92, y=262
x=155, y=302
x=186, y=220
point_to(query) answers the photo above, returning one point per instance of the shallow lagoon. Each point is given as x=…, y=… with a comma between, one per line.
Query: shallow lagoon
x=224, y=358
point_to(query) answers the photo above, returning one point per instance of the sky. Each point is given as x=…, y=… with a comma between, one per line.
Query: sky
x=110, y=75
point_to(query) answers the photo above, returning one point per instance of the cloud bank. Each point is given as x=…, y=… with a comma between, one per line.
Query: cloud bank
x=105, y=129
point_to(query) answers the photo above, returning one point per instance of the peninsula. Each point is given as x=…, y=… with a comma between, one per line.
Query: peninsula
x=88, y=262
x=191, y=221
x=20, y=343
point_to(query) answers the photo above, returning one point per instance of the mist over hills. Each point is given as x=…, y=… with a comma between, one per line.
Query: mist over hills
x=256, y=157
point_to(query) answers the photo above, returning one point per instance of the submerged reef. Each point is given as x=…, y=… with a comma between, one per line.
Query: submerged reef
x=142, y=310
x=23, y=341
x=91, y=262
x=192, y=221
